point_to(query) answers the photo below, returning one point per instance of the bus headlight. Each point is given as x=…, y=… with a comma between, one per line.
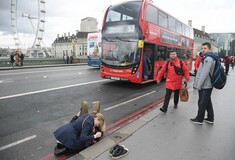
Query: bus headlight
x=135, y=68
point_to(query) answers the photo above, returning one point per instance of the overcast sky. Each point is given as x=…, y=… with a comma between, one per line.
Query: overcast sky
x=63, y=16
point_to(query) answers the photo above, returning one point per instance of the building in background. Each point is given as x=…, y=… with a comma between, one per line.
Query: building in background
x=200, y=36
x=76, y=44
x=89, y=24
x=226, y=43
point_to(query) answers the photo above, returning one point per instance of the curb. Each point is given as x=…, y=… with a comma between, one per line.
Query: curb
x=41, y=66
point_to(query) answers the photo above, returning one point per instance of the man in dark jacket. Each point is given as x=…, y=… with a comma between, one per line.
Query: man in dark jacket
x=227, y=62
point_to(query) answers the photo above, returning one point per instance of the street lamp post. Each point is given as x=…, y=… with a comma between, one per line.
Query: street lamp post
x=74, y=41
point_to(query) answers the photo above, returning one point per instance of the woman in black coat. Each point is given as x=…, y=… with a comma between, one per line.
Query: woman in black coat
x=77, y=135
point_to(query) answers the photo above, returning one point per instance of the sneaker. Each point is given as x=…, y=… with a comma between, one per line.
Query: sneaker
x=175, y=106
x=96, y=108
x=119, y=152
x=84, y=108
x=208, y=121
x=59, y=151
x=163, y=110
x=195, y=121
x=145, y=78
x=112, y=150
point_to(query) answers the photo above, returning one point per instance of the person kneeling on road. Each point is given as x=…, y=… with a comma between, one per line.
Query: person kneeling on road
x=78, y=135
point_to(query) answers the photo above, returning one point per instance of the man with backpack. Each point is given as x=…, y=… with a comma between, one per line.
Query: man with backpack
x=174, y=70
x=204, y=86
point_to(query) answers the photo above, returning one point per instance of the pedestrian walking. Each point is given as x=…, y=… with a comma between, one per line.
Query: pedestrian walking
x=227, y=62
x=21, y=59
x=67, y=58
x=17, y=58
x=175, y=70
x=12, y=59
x=204, y=86
x=232, y=62
x=197, y=62
x=71, y=59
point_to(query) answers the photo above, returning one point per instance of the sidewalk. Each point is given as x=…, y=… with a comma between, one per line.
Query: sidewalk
x=171, y=136
x=41, y=66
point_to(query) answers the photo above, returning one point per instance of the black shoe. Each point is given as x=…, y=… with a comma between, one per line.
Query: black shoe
x=208, y=121
x=163, y=110
x=175, y=106
x=59, y=151
x=112, y=150
x=195, y=121
x=119, y=152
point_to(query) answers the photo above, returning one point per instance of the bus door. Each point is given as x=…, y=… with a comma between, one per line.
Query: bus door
x=160, y=57
x=148, y=62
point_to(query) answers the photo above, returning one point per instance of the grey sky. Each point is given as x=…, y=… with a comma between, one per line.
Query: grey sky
x=63, y=16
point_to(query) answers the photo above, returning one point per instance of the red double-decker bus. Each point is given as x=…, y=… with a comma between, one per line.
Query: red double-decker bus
x=131, y=29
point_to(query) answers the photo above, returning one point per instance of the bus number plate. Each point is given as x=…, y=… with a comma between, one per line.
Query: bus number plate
x=115, y=78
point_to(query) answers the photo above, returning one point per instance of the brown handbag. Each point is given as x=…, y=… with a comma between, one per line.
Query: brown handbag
x=184, y=93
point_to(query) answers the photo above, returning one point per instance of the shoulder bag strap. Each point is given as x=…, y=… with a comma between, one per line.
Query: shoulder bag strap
x=84, y=121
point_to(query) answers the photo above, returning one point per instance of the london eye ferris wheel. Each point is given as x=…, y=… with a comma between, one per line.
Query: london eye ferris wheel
x=37, y=22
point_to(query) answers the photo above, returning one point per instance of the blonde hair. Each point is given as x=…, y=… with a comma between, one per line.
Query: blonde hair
x=100, y=118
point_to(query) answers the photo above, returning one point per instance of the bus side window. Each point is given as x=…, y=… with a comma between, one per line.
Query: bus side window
x=161, y=53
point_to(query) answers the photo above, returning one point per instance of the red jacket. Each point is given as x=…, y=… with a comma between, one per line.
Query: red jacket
x=227, y=61
x=197, y=62
x=173, y=80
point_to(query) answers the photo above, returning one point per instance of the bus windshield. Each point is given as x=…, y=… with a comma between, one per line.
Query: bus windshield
x=120, y=52
x=124, y=12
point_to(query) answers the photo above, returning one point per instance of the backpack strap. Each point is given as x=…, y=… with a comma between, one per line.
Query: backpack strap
x=84, y=121
x=167, y=63
x=181, y=64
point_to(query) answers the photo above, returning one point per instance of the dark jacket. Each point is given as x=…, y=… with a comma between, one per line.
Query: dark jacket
x=75, y=137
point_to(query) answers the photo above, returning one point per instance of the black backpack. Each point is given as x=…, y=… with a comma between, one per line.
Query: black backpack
x=218, y=79
x=178, y=71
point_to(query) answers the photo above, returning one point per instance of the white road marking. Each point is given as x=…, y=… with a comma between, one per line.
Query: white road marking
x=52, y=89
x=17, y=142
x=6, y=81
x=118, y=105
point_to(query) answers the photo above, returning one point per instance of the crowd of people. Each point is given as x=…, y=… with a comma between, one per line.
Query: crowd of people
x=67, y=59
x=17, y=58
x=85, y=129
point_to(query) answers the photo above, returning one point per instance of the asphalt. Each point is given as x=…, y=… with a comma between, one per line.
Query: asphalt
x=171, y=136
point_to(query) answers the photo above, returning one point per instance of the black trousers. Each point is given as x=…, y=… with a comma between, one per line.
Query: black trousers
x=205, y=104
x=226, y=68
x=168, y=97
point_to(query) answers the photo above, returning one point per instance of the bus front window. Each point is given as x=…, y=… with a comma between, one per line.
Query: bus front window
x=120, y=53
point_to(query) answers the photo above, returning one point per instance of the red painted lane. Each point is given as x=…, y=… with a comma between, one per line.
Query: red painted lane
x=115, y=126
x=122, y=122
